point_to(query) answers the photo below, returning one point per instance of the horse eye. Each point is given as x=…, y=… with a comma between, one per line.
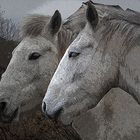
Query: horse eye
x=34, y=56
x=73, y=54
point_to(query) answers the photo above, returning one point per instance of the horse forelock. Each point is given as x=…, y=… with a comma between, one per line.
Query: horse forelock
x=65, y=37
x=33, y=25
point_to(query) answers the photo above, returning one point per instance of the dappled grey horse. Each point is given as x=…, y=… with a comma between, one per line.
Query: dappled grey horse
x=34, y=61
x=104, y=55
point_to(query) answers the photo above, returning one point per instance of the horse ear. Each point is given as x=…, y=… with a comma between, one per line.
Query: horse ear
x=92, y=15
x=55, y=23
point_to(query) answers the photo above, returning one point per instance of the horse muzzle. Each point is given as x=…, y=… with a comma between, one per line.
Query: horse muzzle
x=54, y=114
x=4, y=117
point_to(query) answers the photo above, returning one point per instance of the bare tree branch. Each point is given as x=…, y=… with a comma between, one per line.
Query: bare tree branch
x=8, y=29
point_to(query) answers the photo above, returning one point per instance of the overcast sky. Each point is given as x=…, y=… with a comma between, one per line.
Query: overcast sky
x=17, y=9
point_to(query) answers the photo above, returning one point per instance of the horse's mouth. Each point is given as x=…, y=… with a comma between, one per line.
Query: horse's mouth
x=9, y=118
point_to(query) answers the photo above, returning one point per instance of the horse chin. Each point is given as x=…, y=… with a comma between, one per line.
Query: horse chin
x=67, y=119
x=9, y=118
x=69, y=115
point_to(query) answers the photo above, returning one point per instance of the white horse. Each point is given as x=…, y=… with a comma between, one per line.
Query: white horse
x=34, y=61
x=104, y=55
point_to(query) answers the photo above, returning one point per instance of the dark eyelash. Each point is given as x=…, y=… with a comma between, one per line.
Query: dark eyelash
x=34, y=56
x=73, y=54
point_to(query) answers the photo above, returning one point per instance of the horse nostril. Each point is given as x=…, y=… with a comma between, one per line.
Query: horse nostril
x=2, y=106
x=44, y=107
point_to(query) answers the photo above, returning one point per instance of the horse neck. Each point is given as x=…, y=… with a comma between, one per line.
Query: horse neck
x=129, y=63
x=65, y=37
x=122, y=38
